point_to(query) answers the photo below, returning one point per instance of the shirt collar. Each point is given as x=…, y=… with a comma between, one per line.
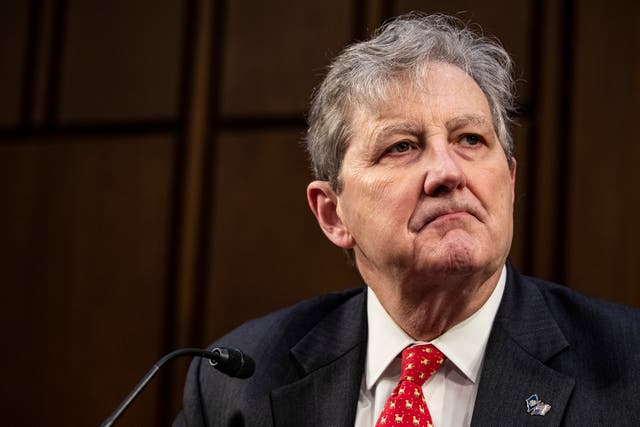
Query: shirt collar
x=463, y=345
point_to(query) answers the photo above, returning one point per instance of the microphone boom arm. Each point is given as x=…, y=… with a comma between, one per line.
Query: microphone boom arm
x=218, y=355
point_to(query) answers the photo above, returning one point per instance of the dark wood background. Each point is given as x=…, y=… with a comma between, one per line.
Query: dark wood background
x=153, y=182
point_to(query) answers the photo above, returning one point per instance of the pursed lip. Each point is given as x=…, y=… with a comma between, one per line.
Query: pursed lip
x=429, y=214
x=448, y=215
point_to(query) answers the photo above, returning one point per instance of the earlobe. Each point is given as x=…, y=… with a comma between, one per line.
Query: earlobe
x=324, y=204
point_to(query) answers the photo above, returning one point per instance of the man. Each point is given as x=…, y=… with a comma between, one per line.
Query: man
x=410, y=144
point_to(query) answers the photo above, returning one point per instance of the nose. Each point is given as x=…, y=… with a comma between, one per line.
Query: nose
x=443, y=173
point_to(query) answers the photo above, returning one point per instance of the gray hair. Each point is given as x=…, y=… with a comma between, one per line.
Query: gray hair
x=365, y=73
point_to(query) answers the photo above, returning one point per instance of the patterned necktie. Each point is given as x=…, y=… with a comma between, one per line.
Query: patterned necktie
x=407, y=406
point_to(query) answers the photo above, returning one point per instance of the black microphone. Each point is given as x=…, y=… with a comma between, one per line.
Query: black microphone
x=232, y=362
x=229, y=361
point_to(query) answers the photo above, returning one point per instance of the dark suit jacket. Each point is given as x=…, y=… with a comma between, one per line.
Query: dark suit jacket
x=579, y=355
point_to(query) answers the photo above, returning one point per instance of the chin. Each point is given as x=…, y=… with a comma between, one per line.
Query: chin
x=455, y=264
x=454, y=258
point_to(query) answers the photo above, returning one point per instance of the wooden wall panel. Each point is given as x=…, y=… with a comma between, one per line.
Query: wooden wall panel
x=602, y=258
x=95, y=245
x=121, y=60
x=522, y=208
x=509, y=21
x=14, y=25
x=268, y=250
x=84, y=252
x=276, y=52
x=547, y=172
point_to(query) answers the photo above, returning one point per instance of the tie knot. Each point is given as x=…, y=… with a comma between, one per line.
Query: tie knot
x=420, y=362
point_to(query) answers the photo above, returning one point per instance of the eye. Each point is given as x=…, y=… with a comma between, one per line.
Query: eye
x=400, y=147
x=471, y=139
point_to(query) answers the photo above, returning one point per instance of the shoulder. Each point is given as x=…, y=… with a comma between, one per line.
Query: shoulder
x=287, y=326
x=588, y=324
x=269, y=340
x=573, y=309
x=212, y=398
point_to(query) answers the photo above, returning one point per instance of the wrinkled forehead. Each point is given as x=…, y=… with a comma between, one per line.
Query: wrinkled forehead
x=379, y=91
x=397, y=93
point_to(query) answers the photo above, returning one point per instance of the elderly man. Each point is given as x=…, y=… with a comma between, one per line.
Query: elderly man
x=410, y=144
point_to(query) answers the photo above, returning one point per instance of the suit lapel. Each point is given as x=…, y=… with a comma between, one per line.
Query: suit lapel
x=331, y=360
x=524, y=337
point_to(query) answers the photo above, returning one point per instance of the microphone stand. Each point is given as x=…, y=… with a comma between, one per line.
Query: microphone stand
x=145, y=380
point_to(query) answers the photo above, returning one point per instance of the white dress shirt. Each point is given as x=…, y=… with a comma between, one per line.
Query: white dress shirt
x=451, y=391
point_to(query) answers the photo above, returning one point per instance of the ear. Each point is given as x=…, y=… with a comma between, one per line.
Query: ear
x=323, y=202
x=513, y=179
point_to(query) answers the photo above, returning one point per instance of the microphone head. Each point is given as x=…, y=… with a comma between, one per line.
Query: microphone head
x=232, y=362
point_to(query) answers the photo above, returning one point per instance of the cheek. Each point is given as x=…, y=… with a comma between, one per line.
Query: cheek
x=508, y=194
x=493, y=187
x=501, y=201
x=394, y=197
x=381, y=202
x=495, y=181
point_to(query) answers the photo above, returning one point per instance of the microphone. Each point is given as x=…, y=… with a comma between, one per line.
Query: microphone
x=232, y=362
x=229, y=361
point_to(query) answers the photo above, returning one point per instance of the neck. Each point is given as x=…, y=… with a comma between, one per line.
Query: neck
x=428, y=309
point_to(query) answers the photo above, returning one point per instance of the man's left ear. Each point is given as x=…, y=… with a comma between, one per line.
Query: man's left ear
x=513, y=179
x=323, y=202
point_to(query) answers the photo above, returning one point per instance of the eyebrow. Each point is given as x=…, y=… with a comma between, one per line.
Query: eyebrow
x=466, y=120
x=395, y=128
x=414, y=128
x=378, y=137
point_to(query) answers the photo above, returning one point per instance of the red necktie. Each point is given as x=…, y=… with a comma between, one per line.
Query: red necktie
x=407, y=406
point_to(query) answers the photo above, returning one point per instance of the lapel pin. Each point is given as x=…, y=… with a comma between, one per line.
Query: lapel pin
x=537, y=407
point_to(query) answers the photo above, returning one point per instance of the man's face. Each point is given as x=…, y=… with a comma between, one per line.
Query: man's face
x=427, y=190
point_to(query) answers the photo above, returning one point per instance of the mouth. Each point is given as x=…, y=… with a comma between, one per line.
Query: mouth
x=423, y=217
x=449, y=216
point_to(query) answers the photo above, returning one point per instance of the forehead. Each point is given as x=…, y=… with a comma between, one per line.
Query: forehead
x=440, y=93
